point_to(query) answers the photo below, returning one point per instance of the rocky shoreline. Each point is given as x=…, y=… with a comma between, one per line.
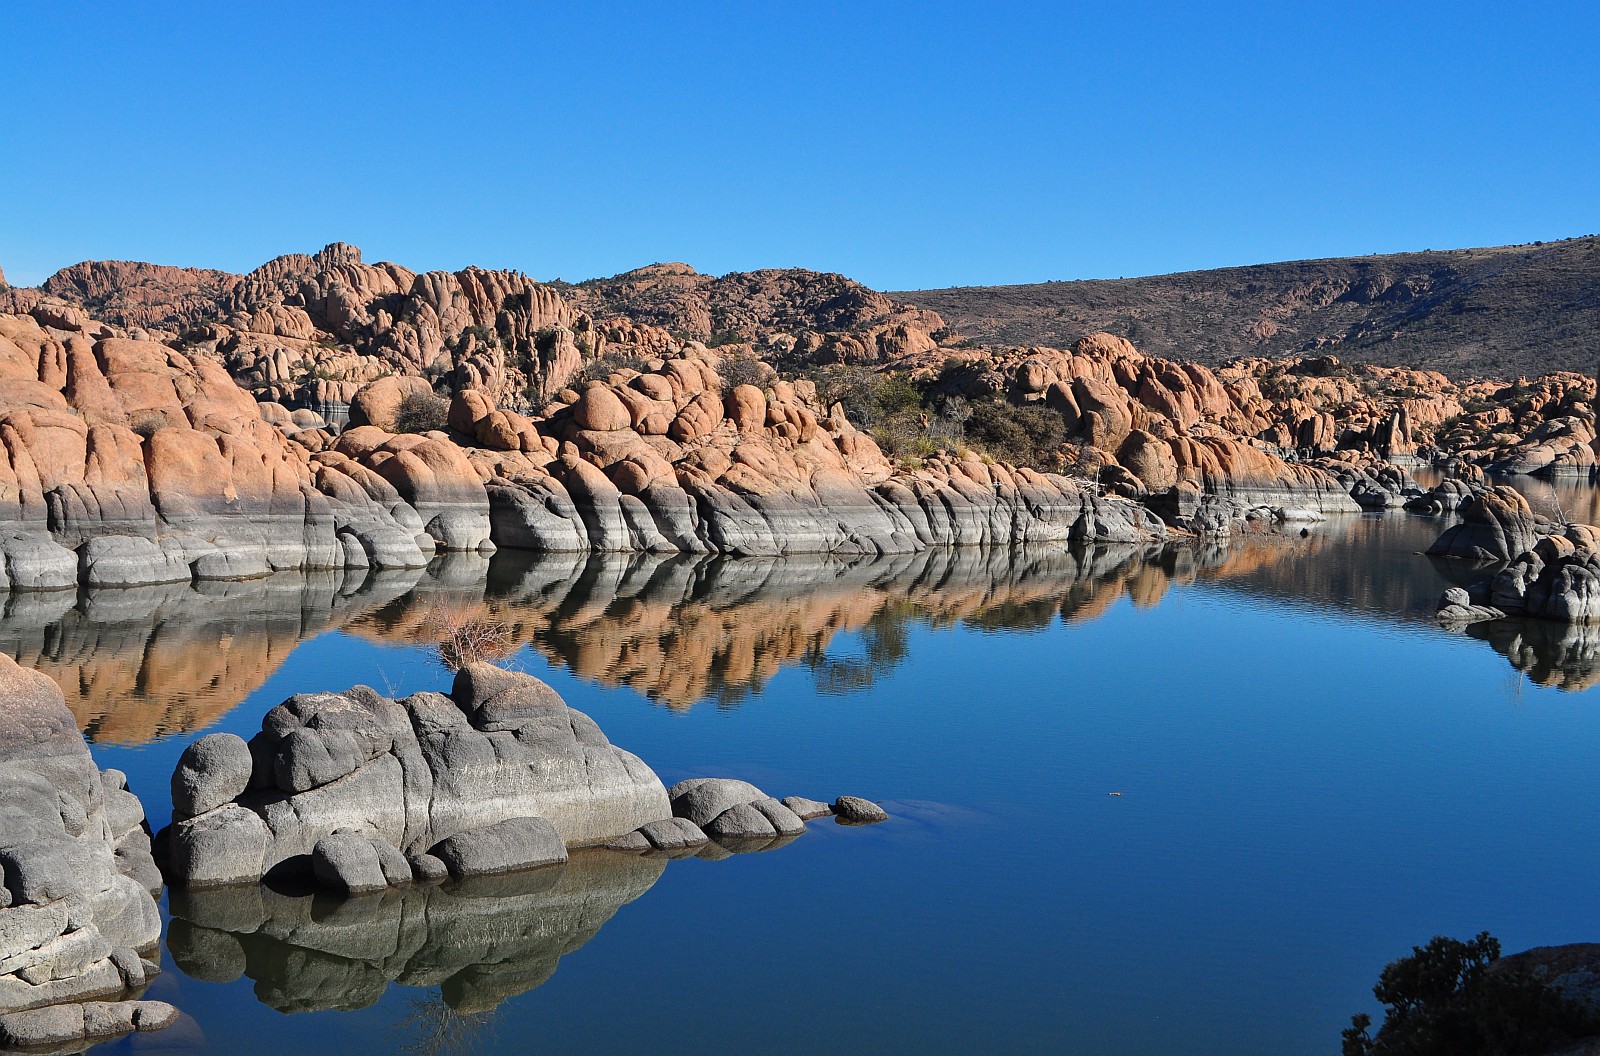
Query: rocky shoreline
x=495, y=799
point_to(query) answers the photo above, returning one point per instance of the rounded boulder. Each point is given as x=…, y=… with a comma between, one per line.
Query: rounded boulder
x=212, y=771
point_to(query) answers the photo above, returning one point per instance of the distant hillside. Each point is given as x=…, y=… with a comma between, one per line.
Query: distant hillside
x=1499, y=312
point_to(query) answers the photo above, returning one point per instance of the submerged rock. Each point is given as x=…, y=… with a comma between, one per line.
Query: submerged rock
x=853, y=810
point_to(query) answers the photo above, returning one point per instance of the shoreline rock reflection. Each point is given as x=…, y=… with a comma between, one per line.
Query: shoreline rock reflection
x=141, y=663
x=479, y=941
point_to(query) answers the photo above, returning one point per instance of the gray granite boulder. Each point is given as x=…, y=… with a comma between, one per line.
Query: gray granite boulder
x=506, y=846
x=734, y=813
x=500, y=774
x=853, y=810
x=1497, y=524
x=63, y=1025
x=807, y=809
x=76, y=903
x=211, y=771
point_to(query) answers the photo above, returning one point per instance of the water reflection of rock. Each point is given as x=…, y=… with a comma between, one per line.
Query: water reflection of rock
x=1549, y=653
x=480, y=942
x=140, y=662
x=682, y=629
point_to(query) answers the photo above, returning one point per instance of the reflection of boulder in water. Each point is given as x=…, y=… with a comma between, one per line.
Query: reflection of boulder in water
x=140, y=662
x=1563, y=655
x=683, y=629
x=480, y=941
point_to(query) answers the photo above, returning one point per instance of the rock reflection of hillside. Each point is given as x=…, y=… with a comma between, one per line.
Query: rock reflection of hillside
x=1566, y=656
x=1371, y=565
x=681, y=630
x=141, y=662
x=137, y=664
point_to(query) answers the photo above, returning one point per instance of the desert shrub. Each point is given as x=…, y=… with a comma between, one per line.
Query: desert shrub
x=602, y=367
x=1023, y=434
x=146, y=422
x=1445, y=1000
x=421, y=412
x=869, y=398
x=740, y=370
x=462, y=637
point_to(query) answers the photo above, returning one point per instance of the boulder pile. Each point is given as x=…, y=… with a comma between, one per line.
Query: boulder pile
x=1497, y=524
x=77, y=883
x=360, y=793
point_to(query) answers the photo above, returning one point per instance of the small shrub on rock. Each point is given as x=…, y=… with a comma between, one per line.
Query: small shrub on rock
x=739, y=370
x=421, y=412
x=463, y=638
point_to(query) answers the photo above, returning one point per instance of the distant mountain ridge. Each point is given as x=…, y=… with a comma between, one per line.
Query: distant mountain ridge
x=1495, y=312
x=1501, y=311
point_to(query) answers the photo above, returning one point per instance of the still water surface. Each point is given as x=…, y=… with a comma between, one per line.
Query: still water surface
x=1311, y=778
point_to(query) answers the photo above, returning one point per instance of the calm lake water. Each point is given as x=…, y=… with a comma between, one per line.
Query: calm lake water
x=1143, y=802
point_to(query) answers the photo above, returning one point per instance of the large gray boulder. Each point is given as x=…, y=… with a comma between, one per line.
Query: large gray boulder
x=76, y=876
x=498, y=775
x=1497, y=524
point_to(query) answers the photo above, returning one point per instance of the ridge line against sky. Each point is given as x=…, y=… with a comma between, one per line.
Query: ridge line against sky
x=376, y=258
x=910, y=148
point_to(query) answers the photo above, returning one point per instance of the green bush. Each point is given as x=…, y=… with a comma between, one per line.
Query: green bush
x=1023, y=434
x=421, y=412
x=1445, y=1000
x=737, y=370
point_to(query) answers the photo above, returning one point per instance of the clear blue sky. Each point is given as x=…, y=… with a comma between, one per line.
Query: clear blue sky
x=919, y=145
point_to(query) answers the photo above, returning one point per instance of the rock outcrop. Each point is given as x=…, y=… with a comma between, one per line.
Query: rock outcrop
x=669, y=459
x=359, y=793
x=77, y=882
x=1558, y=578
x=123, y=462
x=367, y=792
x=1496, y=525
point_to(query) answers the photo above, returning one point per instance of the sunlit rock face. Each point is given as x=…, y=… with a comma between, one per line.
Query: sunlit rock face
x=124, y=462
x=480, y=941
x=76, y=876
x=372, y=792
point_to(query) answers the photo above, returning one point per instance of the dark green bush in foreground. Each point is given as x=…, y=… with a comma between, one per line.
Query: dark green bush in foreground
x=1444, y=1000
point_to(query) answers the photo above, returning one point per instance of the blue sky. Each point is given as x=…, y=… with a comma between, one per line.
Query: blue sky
x=908, y=146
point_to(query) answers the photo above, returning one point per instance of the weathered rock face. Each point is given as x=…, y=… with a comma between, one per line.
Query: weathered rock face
x=123, y=462
x=835, y=318
x=370, y=792
x=480, y=941
x=1558, y=578
x=660, y=461
x=1496, y=525
x=1153, y=427
x=76, y=901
